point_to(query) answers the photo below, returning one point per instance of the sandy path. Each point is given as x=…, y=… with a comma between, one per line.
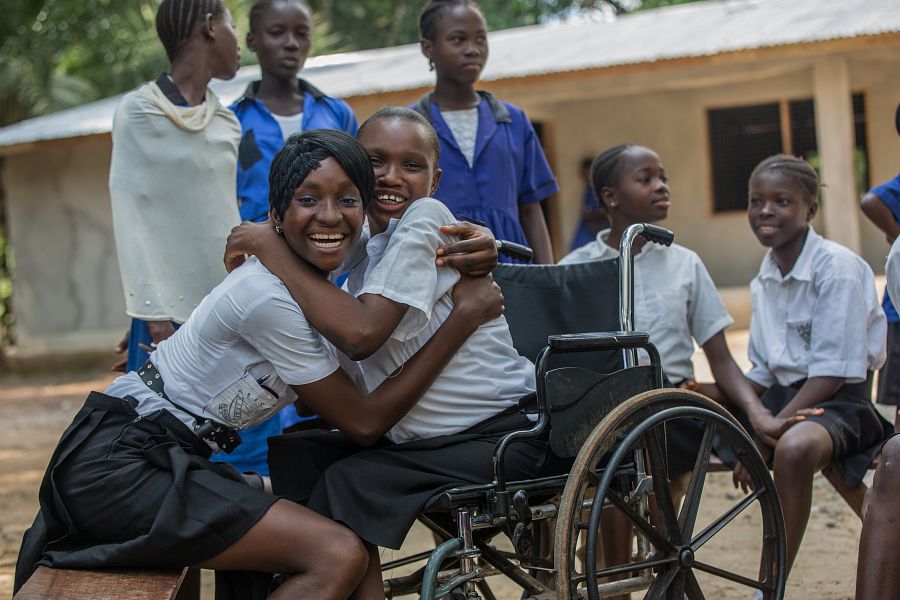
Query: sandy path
x=35, y=411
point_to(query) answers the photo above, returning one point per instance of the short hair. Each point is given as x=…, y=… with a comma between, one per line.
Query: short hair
x=304, y=152
x=606, y=169
x=260, y=6
x=402, y=113
x=796, y=168
x=430, y=14
x=175, y=21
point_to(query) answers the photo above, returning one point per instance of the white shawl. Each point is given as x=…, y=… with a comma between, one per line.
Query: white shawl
x=174, y=200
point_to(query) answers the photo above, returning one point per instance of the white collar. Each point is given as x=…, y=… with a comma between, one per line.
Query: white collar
x=802, y=269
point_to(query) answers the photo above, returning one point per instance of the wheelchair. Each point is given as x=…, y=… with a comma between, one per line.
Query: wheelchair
x=606, y=415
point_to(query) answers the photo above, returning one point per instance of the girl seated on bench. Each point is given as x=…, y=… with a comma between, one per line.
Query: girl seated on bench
x=816, y=334
x=130, y=483
x=398, y=297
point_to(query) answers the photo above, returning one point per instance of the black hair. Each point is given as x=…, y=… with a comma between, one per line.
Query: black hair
x=409, y=115
x=304, y=152
x=606, y=169
x=897, y=119
x=260, y=6
x=797, y=168
x=175, y=21
x=431, y=13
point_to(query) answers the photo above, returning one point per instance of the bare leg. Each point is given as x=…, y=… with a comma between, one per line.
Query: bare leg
x=805, y=449
x=877, y=574
x=372, y=585
x=319, y=558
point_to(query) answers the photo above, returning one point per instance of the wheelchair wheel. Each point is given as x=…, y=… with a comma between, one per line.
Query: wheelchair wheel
x=624, y=464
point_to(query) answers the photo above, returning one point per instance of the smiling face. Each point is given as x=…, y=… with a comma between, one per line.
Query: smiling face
x=642, y=193
x=225, y=53
x=459, y=49
x=324, y=217
x=779, y=208
x=281, y=38
x=405, y=168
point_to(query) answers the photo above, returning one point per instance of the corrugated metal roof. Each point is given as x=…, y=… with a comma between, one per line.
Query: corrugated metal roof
x=689, y=30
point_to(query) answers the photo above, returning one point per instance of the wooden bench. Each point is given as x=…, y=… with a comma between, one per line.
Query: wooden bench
x=111, y=584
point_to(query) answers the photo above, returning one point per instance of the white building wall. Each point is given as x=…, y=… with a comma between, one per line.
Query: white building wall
x=67, y=294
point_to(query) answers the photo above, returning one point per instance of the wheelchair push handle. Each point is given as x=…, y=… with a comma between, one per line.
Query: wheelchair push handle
x=657, y=235
x=514, y=250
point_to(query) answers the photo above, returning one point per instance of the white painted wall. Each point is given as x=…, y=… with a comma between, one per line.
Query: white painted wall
x=673, y=122
x=67, y=291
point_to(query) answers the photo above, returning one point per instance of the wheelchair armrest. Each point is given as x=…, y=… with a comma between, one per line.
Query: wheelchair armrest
x=605, y=340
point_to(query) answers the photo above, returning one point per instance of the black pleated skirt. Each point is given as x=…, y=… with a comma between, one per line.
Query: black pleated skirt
x=378, y=491
x=123, y=491
x=856, y=429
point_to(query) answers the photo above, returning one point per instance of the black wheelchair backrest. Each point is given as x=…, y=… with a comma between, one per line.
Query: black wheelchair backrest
x=544, y=300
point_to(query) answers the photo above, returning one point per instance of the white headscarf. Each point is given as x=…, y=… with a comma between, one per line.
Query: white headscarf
x=174, y=200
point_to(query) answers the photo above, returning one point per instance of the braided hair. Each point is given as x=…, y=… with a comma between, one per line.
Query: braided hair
x=797, y=168
x=606, y=169
x=260, y=6
x=402, y=113
x=430, y=15
x=175, y=21
x=304, y=152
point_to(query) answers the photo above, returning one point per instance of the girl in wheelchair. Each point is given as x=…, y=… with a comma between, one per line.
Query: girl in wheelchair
x=130, y=483
x=397, y=298
x=816, y=335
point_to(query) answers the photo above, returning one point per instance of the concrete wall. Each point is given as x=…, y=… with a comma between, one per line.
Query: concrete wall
x=666, y=110
x=67, y=292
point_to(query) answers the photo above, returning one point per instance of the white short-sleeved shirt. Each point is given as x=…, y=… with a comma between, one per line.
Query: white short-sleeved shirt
x=822, y=319
x=892, y=272
x=675, y=300
x=486, y=375
x=235, y=357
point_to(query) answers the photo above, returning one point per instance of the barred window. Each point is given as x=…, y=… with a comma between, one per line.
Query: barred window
x=740, y=137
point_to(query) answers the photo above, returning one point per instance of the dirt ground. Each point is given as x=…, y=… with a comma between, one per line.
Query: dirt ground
x=34, y=411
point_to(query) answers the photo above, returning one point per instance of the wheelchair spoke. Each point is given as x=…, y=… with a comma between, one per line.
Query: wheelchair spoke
x=734, y=577
x=688, y=517
x=646, y=528
x=676, y=590
x=657, y=453
x=661, y=584
x=692, y=587
x=717, y=525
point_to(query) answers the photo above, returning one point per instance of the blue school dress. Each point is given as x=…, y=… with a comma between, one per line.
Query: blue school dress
x=889, y=375
x=509, y=167
x=889, y=193
x=261, y=139
x=583, y=234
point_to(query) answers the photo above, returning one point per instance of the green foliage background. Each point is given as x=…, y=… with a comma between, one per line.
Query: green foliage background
x=56, y=54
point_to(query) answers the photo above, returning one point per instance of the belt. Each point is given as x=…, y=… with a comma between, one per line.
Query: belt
x=219, y=437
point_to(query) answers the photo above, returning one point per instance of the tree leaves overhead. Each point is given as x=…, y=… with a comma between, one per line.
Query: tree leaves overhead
x=60, y=53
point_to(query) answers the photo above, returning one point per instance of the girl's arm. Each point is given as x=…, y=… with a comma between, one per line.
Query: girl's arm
x=535, y=227
x=365, y=418
x=880, y=215
x=814, y=391
x=356, y=326
x=740, y=390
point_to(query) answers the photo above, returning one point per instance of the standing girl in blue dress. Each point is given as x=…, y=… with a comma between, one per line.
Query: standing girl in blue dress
x=494, y=168
x=270, y=110
x=280, y=103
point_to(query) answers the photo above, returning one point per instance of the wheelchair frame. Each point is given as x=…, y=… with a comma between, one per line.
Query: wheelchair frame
x=614, y=467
